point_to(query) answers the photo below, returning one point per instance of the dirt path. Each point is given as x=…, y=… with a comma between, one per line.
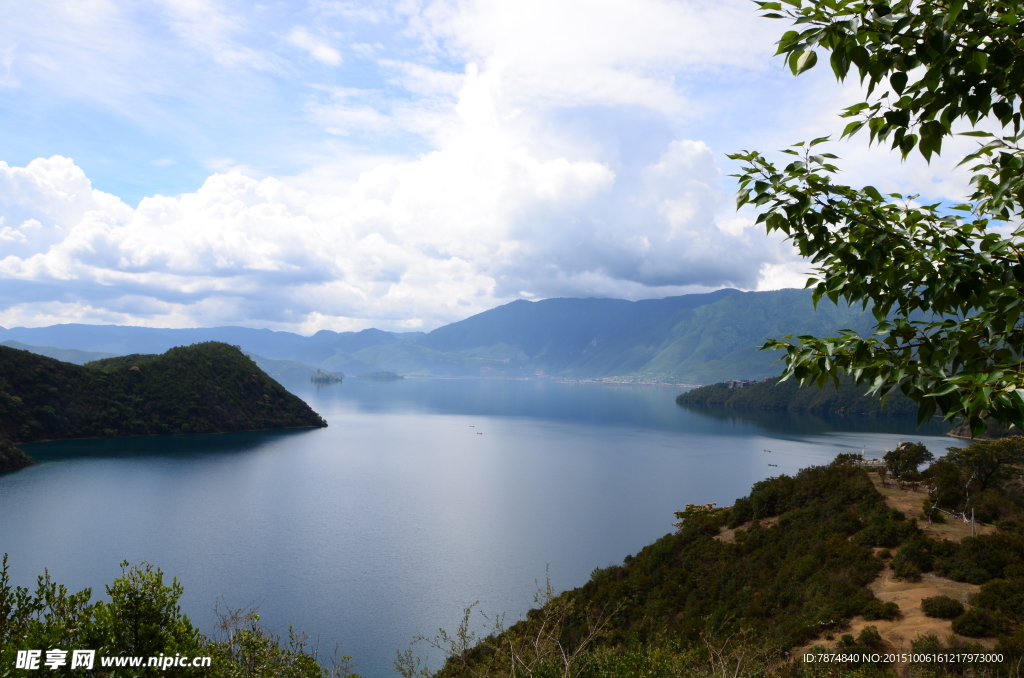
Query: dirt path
x=898, y=634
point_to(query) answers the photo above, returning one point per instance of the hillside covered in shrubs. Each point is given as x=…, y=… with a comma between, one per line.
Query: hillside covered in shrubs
x=782, y=569
x=203, y=388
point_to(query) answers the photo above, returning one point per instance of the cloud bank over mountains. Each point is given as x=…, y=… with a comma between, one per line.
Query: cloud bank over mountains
x=408, y=245
x=398, y=165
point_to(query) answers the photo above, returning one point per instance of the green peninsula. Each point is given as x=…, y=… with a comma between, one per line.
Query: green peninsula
x=204, y=388
x=771, y=394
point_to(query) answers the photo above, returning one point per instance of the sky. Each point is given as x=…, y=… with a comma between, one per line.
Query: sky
x=341, y=165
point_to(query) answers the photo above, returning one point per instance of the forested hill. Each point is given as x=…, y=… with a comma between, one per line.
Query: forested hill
x=788, y=395
x=695, y=338
x=204, y=388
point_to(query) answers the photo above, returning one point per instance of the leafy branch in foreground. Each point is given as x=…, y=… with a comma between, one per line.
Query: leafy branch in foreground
x=144, y=619
x=944, y=284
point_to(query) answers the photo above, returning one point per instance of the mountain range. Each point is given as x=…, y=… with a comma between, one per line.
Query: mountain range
x=690, y=339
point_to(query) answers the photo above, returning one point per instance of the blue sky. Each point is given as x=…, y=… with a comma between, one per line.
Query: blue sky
x=342, y=165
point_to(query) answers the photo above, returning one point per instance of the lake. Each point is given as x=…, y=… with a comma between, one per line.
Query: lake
x=421, y=497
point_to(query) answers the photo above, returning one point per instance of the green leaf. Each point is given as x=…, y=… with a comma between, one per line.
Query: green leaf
x=852, y=128
x=872, y=192
x=955, y=7
x=898, y=80
x=801, y=62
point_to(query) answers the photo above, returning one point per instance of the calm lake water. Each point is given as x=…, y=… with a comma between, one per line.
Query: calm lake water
x=421, y=497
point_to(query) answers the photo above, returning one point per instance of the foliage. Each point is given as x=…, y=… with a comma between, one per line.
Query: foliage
x=975, y=560
x=798, y=566
x=945, y=290
x=537, y=646
x=204, y=388
x=736, y=588
x=242, y=648
x=12, y=458
x=942, y=607
x=142, y=618
x=119, y=361
x=906, y=459
x=946, y=663
x=789, y=395
x=980, y=623
x=1005, y=596
x=994, y=429
x=976, y=478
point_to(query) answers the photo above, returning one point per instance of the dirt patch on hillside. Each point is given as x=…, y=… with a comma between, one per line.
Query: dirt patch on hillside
x=728, y=536
x=898, y=634
x=911, y=502
x=908, y=595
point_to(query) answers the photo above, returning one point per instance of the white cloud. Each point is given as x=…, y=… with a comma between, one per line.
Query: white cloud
x=503, y=149
x=315, y=47
x=408, y=244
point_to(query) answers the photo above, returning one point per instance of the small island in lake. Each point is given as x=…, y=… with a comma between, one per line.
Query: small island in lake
x=322, y=378
x=204, y=388
x=380, y=376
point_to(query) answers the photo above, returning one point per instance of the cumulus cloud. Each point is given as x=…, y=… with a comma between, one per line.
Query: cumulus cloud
x=518, y=149
x=411, y=244
x=315, y=47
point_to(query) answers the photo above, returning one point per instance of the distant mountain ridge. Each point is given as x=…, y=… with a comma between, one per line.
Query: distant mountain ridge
x=67, y=355
x=695, y=338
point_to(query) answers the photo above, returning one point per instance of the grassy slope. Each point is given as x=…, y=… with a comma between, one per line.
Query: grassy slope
x=788, y=395
x=204, y=388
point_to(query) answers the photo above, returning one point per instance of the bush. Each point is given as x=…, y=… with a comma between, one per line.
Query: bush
x=927, y=645
x=942, y=607
x=1002, y=595
x=1015, y=525
x=978, y=623
x=876, y=610
x=918, y=554
x=870, y=637
x=978, y=559
x=905, y=569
